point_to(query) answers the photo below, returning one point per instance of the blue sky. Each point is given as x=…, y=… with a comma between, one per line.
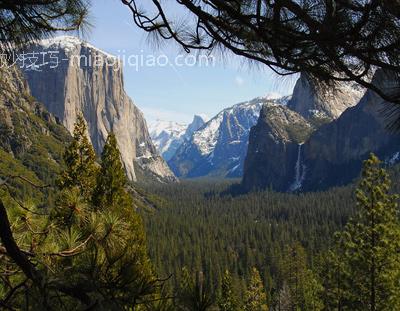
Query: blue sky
x=172, y=92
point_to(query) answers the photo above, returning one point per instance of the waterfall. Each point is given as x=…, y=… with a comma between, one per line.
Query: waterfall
x=300, y=171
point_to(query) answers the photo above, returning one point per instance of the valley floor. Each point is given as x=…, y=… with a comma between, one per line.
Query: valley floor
x=203, y=226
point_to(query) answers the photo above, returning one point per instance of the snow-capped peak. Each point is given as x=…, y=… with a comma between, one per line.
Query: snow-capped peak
x=207, y=137
x=168, y=136
x=170, y=127
x=272, y=96
x=218, y=148
x=202, y=116
x=69, y=43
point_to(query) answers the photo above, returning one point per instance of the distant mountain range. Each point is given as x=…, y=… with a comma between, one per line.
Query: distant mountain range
x=168, y=136
x=315, y=139
x=218, y=148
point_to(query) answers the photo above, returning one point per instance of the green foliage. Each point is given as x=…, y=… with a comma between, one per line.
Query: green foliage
x=86, y=256
x=80, y=161
x=303, y=287
x=31, y=141
x=194, y=292
x=366, y=263
x=228, y=299
x=199, y=224
x=111, y=251
x=255, y=298
x=330, y=271
x=111, y=181
x=17, y=188
x=97, y=244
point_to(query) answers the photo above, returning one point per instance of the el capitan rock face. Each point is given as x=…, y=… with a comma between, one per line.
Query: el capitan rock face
x=89, y=81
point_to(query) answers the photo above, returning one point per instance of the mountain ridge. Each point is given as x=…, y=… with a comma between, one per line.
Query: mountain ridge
x=219, y=147
x=168, y=136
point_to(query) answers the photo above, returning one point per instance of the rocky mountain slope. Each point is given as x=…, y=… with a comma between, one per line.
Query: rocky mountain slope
x=329, y=154
x=32, y=142
x=168, y=136
x=72, y=77
x=219, y=147
x=334, y=154
x=320, y=102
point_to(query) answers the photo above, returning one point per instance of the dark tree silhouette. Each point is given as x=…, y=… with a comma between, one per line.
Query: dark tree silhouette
x=331, y=40
x=27, y=20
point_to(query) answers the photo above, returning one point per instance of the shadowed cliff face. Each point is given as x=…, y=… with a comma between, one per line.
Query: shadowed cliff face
x=332, y=153
x=88, y=81
x=273, y=148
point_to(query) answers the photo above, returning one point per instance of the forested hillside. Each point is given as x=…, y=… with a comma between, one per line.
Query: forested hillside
x=31, y=140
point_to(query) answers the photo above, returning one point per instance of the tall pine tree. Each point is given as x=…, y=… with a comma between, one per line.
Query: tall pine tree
x=80, y=160
x=304, y=287
x=228, y=301
x=255, y=296
x=114, y=204
x=115, y=258
x=194, y=293
x=370, y=246
x=111, y=184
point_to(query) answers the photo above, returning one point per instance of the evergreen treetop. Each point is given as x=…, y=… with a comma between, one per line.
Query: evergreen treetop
x=80, y=161
x=111, y=181
x=228, y=300
x=369, y=247
x=255, y=296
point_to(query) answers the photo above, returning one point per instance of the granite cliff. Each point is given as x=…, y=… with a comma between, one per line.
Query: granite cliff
x=324, y=143
x=72, y=77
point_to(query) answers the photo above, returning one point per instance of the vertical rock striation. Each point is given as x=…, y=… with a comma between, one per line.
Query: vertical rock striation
x=334, y=154
x=273, y=155
x=73, y=77
x=323, y=102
